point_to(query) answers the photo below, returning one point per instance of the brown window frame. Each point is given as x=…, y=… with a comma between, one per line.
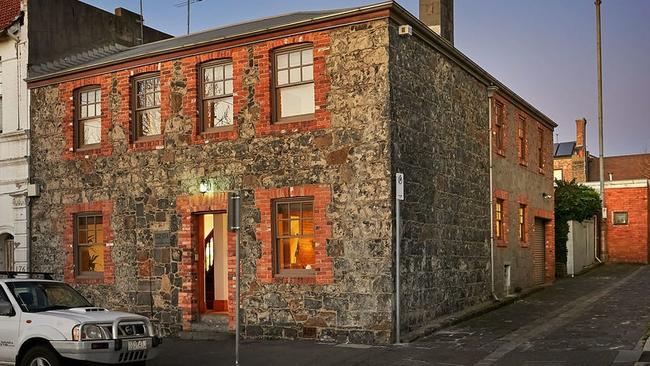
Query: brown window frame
x=134, y=103
x=499, y=125
x=76, y=245
x=275, y=89
x=627, y=218
x=498, y=218
x=202, y=98
x=521, y=217
x=78, y=120
x=521, y=139
x=277, y=271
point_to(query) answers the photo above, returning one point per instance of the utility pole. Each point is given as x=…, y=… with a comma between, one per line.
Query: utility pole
x=603, y=224
x=141, y=24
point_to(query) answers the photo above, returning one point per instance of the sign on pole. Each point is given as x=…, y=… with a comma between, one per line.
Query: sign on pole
x=399, y=186
x=234, y=222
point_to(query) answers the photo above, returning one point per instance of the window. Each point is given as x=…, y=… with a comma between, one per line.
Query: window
x=294, y=84
x=521, y=140
x=217, y=96
x=147, y=106
x=88, y=117
x=294, y=236
x=558, y=174
x=540, y=150
x=522, y=223
x=89, y=244
x=498, y=219
x=620, y=218
x=499, y=125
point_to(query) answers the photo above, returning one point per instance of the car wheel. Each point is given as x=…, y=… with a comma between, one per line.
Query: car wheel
x=41, y=356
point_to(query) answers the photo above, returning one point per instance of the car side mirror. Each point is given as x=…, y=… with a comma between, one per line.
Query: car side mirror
x=6, y=309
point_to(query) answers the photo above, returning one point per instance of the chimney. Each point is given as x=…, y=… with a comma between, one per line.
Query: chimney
x=581, y=125
x=439, y=16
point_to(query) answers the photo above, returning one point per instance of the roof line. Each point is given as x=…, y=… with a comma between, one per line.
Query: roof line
x=343, y=12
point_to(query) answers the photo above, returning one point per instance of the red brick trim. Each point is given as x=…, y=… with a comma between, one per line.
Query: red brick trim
x=549, y=241
x=186, y=206
x=263, y=54
x=323, y=231
x=503, y=195
x=522, y=119
x=497, y=100
x=66, y=94
x=192, y=100
x=69, y=271
x=523, y=200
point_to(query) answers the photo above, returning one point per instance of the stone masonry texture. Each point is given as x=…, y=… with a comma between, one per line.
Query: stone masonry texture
x=345, y=149
x=439, y=141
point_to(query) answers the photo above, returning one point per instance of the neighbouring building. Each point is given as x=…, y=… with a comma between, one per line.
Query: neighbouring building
x=43, y=32
x=626, y=195
x=310, y=115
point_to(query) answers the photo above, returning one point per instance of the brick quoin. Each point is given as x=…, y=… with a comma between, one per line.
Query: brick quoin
x=186, y=207
x=69, y=270
x=322, y=232
x=628, y=243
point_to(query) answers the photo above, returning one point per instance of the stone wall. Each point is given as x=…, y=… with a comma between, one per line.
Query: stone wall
x=347, y=150
x=440, y=143
x=521, y=181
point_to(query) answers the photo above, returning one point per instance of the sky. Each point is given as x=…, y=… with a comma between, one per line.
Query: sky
x=545, y=51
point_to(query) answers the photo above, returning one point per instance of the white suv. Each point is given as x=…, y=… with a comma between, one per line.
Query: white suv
x=44, y=322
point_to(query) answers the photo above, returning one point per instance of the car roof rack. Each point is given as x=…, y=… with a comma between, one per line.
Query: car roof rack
x=16, y=274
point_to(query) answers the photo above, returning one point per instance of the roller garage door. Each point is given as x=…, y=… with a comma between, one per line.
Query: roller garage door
x=537, y=246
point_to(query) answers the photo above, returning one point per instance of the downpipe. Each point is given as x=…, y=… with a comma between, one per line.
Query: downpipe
x=491, y=91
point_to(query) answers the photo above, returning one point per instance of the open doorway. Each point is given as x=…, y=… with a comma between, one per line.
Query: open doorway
x=212, y=247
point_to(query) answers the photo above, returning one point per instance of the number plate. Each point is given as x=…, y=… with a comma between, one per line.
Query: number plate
x=136, y=345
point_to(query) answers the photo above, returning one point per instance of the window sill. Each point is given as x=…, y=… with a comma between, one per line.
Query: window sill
x=501, y=243
x=295, y=119
x=296, y=273
x=501, y=153
x=212, y=131
x=89, y=148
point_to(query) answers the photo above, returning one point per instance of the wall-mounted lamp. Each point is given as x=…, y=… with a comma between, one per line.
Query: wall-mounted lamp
x=204, y=186
x=546, y=196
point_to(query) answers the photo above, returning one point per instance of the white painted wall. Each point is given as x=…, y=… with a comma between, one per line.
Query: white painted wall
x=14, y=142
x=581, y=246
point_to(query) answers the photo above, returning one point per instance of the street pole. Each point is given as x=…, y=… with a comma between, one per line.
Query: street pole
x=141, y=24
x=601, y=158
x=188, y=15
x=234, y=223
x=399, y=196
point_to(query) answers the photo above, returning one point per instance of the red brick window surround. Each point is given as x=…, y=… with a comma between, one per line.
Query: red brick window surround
x=272, y=73
x=523, y=227
x=98, y=120
x=297, y=253
x=88, y=243
x=216, y=88
x=522, y=142
x=501, y=218
x=500, y=128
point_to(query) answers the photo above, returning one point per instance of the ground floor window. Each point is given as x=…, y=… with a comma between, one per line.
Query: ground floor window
x=498, y=219
x=294, y=235
x=89, y=244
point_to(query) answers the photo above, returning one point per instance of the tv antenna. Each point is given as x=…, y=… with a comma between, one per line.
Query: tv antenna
x=187, y=3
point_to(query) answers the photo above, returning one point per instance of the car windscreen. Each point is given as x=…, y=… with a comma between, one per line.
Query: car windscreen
x=42, y=296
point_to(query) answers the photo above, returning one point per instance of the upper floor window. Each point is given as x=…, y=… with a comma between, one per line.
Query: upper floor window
x=499, y=127
x=521, y=140
x=522, y=223
x=89, y=244
x=498, y=219
x=88, y=117
x=216, y=96
x=540, y=150
x=620, y=218
x=294, y=84
x=557, y=174
x=147, y=106
x=294, y=236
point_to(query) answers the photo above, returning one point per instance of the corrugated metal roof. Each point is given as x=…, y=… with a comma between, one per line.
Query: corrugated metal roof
x=564, y=148
x=194, y=39
x=76, y=59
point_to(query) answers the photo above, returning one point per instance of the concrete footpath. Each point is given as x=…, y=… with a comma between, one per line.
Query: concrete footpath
x=600, y=318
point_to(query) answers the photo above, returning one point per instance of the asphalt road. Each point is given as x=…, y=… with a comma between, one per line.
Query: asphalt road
x=600, y=318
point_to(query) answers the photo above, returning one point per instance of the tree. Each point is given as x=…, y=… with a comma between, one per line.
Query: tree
x=573, y=201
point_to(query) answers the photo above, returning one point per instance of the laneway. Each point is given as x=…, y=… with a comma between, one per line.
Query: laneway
x=595, y=319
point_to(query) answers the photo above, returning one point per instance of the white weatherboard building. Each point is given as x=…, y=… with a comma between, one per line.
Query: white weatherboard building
x=14, y=143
